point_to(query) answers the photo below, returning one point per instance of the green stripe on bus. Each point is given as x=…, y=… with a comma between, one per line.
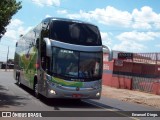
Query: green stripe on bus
x=67, y=83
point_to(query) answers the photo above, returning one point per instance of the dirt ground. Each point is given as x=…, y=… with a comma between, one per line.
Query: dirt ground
x=132, y=96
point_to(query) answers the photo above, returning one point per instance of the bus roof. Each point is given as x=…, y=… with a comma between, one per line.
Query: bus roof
x=67, y=19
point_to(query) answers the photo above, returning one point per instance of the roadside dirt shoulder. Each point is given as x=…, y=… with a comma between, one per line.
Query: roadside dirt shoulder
x=132, y=96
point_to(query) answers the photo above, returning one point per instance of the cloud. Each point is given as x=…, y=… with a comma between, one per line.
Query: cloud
x=145, y=18
x=80, y=15
x=11, y=34
x=15, y=23
x=47, y=2
x=48, y=16
x=141, y=25
x=112, y=16
x=62, y=11
x=129, y=46
x=134, y=41
x=107, y=16
x=158, y=45
x=138, y=36
x=106, y=40
x=15, y=29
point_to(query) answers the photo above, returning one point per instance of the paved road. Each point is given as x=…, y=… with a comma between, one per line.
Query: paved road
x=15, y=98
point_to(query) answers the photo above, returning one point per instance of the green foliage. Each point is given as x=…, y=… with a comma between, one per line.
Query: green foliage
x=7, y=9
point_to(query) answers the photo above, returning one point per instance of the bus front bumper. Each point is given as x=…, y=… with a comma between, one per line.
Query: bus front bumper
x=59, y=91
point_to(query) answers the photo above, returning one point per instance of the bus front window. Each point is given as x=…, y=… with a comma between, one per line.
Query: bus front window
x=90, y=65
x=73, y=64
x=65, y=62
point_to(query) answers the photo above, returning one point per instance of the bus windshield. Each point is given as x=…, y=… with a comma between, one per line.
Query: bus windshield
x=74, y=64
x=75, y=33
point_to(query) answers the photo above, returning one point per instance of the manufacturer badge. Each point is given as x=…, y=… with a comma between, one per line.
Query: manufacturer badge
x=77, y=89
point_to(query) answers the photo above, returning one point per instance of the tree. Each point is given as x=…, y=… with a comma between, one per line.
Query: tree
x=7, y=9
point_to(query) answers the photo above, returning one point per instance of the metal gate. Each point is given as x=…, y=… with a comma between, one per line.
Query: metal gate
x=143, y=69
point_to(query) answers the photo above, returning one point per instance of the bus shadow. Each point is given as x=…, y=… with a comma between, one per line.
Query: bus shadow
x=28, y=90
x=58, y=103
x=7, y=100
x=84, y=104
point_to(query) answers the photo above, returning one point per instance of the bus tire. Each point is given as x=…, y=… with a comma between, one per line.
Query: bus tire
x=16, y=76
x=18, y=80
x=36, y=93
x=78, y=100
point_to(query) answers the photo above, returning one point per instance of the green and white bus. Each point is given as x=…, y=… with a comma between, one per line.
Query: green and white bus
x=61, y=58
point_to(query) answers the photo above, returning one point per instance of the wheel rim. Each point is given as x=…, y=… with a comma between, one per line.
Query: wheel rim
x=19, y=80
x=36, y=90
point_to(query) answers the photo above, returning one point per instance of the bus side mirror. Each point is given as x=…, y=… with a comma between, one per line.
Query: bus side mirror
x=16, y=44
x=109, y=51
x=48, y=47
x=110, y=55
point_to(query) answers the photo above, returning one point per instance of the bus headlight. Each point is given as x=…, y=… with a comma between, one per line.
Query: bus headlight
x=98, y=94
x=52, y=92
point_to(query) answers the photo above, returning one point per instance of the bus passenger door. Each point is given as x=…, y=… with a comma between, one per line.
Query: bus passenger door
x=43, y=70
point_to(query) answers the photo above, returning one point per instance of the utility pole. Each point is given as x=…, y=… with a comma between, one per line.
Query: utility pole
x=7, y=58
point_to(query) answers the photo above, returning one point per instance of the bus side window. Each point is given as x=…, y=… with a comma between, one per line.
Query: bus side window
x=43, y=54
x=45, y=60
x=37, y=43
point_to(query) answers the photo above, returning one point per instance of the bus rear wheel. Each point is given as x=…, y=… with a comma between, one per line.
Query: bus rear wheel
x=36, y=93
x=19, y=80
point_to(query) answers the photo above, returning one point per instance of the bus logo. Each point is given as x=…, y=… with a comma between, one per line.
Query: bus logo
x=77, y=89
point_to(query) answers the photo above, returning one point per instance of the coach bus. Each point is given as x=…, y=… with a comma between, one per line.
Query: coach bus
x=61, y=58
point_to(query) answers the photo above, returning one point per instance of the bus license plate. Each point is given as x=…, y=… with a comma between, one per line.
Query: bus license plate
x=76, y=95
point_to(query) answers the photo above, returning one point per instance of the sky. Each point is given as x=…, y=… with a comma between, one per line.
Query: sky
x=125, y=25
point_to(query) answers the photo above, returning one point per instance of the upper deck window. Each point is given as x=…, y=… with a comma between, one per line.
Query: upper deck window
x=75, y=33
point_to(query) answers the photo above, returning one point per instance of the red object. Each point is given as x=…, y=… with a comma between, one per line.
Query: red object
x=37, y=65
x=76, y=95
x=117, y=81
x=106, y=79
x=156, y=88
